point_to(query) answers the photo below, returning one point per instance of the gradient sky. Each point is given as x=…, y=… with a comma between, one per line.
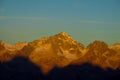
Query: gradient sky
x=84, y=20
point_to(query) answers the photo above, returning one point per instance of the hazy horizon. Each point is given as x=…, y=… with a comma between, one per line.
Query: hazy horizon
x=84, y=20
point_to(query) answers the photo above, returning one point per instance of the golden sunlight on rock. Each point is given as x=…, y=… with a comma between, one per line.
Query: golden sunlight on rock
x=62, y=50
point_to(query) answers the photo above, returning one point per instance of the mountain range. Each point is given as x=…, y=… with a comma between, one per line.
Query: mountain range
x=61, y=50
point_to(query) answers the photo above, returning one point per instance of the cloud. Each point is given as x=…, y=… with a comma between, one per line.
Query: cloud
x=22, y=18
x=99, y=22
x=47, y=19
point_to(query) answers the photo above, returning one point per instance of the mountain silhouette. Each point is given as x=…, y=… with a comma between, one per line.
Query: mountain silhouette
x=21, y=68
x=85, y=71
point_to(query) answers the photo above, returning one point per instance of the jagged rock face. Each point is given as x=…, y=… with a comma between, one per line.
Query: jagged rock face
x=5, y=53
x=58, y=50
x=115, y=60
x=99, y=53
x=61, y=50
x=98, y=47
x=8, y=51
x=1, y=46
x=96, y=52
x=20, y=45
x=115, y=47
x=63, y=44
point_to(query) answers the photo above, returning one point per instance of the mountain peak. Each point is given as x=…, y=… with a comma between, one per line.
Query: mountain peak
x=98, y=45
x=63, y=33
x=65, y=36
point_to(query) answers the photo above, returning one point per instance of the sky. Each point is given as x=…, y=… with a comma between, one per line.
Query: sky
x=85, y=20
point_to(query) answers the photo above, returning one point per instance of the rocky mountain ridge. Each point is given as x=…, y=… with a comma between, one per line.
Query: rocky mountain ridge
x=61, y=50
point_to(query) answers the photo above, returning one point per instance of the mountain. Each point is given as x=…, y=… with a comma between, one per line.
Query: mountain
x=8, y=51
x=115, y=47
x=57, y=50
x=61, y=50
x=99, y=53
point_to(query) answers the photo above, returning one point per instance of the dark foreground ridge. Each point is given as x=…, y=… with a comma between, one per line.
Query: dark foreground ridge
x=21, y=68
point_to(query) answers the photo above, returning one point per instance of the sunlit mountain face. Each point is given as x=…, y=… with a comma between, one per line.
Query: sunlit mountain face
x=62, y=51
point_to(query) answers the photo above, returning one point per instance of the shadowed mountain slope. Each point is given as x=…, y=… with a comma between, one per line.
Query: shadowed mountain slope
x=21, y=68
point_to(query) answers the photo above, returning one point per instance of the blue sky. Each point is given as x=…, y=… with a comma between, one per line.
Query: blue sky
x=84, y=20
